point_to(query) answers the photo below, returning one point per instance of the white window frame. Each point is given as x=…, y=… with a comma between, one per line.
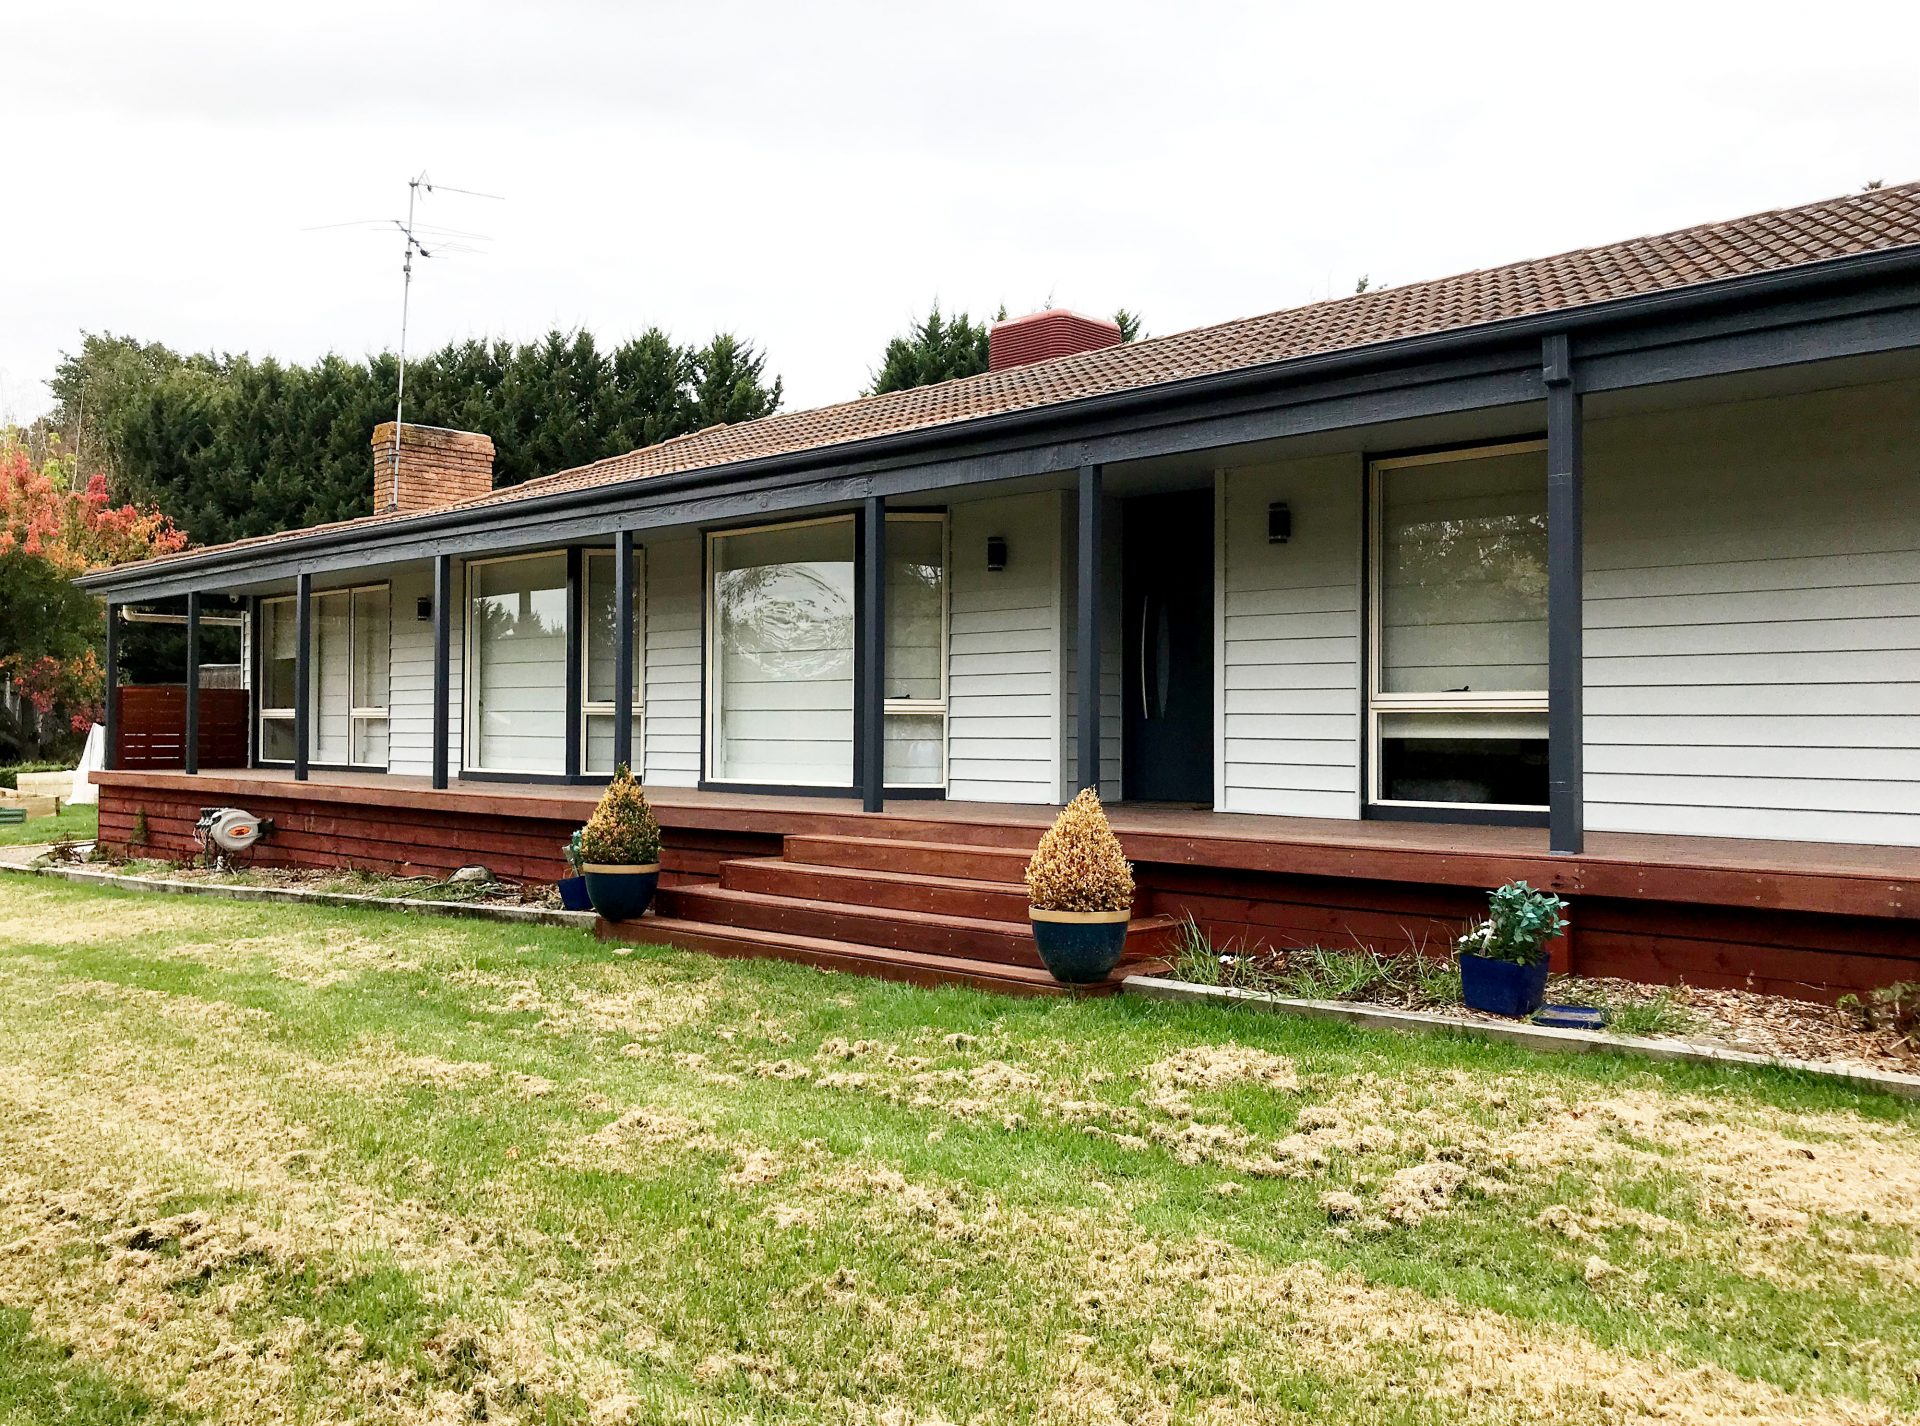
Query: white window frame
x=1378, y=702
x=470, y=667
x=928, y=706
x=357, y=712
x=604, y=708
x=711, y=644
x=891, y=706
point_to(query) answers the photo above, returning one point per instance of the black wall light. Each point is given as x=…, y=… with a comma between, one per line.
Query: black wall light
x=1279, y=523
x=996, y=553
x=423, y=608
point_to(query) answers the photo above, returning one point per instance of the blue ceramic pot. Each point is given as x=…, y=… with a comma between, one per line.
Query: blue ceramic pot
x=621, y=893
x=1501, y=987
x=573, y=893
x=1080, y=947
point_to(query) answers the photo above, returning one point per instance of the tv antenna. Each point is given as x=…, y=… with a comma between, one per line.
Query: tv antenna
x=411, y=232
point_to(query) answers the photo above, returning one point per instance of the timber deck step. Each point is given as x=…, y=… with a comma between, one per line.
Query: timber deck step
x=948, y=859
x=928, y=932
x=868, y=886
x=933, y=913
x=914, y=967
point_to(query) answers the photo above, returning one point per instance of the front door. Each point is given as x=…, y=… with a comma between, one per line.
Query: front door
x=1167, y=601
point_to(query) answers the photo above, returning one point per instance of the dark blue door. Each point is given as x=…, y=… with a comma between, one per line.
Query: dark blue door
x=1167, y=688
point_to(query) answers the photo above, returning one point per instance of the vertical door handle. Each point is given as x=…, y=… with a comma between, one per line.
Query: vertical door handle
x=1146, y=606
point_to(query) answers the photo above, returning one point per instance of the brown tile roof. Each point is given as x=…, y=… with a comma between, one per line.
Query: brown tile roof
x=1840, y=227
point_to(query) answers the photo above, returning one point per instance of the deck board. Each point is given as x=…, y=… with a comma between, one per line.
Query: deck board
x=1769, y=875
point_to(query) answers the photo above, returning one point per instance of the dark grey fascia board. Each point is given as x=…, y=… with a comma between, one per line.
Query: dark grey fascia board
x=639, y=506
x=1688, y=314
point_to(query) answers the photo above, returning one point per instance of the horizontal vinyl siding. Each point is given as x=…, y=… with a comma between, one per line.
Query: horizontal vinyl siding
x=1289, y=681
x=410, y=688
x=1753, y=619
x=1004, y=661
x=671, y=733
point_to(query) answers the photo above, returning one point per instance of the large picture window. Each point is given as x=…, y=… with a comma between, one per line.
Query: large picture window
x=350, y=662
x=1458, y=676
x=597, y=651
x=781, y=664
x=781, y=622
x=517, y=665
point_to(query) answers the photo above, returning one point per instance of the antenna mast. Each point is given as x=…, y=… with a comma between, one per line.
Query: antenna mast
x=413, y=244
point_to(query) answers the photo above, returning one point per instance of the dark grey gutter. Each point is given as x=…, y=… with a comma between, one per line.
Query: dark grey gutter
x=898, y=448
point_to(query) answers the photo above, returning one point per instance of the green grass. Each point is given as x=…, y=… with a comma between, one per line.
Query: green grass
x=1659, y=1014
x=1408, y=979
x=315, y=1164
x=74, y=823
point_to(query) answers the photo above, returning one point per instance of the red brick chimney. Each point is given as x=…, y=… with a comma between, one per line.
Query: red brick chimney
x=1042, y=335
x=436, y=467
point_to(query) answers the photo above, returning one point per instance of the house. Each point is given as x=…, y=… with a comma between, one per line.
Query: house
x=1600, y=570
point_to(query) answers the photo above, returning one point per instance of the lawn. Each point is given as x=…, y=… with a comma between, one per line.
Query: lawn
x=78, y=822
x=291, y=1163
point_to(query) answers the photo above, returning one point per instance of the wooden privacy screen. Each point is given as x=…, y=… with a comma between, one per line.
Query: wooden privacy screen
x=153, y=726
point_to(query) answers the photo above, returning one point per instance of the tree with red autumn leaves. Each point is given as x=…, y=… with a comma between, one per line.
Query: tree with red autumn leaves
x=54, y=526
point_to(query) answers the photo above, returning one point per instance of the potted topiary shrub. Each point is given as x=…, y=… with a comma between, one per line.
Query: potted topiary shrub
x=573, y=888
x=1080, y=893
x=620, y=850
x=1503, y=959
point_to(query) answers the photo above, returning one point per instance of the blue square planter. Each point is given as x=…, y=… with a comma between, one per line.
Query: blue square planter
x=1501, y=987
x=573, y=893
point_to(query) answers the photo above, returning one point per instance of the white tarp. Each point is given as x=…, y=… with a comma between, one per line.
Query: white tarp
x=93, y=756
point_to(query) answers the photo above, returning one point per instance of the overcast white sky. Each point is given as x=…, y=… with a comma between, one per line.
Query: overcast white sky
x=811, y=176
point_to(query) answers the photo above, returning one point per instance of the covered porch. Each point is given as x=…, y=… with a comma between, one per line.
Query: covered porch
x=821, y=873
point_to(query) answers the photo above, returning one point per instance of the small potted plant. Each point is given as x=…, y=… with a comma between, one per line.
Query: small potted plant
x=620, y=850
x=1503, y=959
x=573, y=887
x=1080, y=894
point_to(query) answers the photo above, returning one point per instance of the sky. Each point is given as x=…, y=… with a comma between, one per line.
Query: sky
x=812, y=177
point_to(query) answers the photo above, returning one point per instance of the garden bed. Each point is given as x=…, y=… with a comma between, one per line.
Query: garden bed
x=331, y=882
x=1773, y=1026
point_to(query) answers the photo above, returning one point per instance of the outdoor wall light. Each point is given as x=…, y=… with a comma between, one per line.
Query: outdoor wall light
x=996, y=553
x=423, y=608
x=1279, y=523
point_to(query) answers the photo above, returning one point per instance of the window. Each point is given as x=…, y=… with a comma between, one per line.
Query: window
x=781, y=663
x=916, y=716
x=278, y=672
x=350, y=661
x=1458, y=676
x=371, y=641
x=782, y=625
x=517, y=665
x=597, y=655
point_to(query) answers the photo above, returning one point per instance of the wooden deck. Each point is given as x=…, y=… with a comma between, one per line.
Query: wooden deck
x=1804, y=918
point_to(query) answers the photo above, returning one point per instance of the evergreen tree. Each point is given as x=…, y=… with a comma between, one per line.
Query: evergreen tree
x=942, y=348
x=729, y=384
x=937, y=349
x=231, y=447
